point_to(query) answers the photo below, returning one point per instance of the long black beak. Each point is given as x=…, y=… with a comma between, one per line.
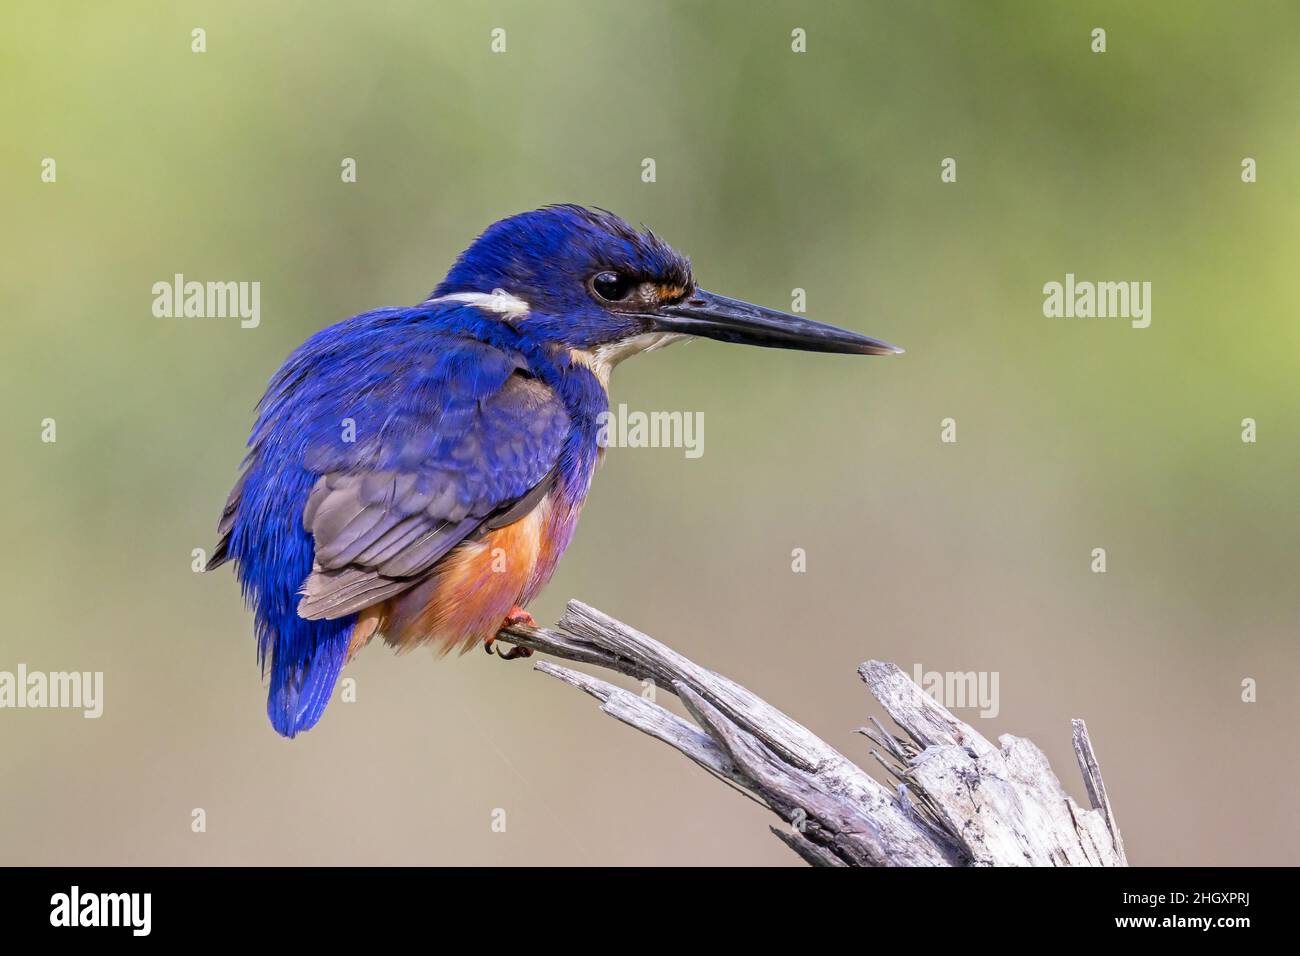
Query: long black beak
x=730, y=320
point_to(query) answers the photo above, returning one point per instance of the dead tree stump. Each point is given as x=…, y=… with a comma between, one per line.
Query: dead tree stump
x=959, y=800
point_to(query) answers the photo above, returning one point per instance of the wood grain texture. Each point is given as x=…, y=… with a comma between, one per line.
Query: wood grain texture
x=960, y=799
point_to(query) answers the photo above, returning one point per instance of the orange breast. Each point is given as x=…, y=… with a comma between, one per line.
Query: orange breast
x=473, y=588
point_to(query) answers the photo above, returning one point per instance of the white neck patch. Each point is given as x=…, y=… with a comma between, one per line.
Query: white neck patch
x=498, y=300
x=602, y=359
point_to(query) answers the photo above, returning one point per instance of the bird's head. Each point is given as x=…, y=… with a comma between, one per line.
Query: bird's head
x=587, y=281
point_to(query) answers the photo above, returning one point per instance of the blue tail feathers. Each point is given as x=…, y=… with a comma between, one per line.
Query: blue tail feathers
x=274, y=555
x=301, y=690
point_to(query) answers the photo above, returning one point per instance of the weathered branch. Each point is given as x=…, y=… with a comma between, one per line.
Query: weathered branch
x=960, y=801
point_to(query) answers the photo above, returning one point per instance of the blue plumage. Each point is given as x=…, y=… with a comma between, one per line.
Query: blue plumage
x=392, y=449
x=389, y=389
x=547, y=258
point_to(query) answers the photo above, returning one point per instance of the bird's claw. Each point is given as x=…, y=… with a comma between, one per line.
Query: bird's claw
x=515, y=650
x=517, y=615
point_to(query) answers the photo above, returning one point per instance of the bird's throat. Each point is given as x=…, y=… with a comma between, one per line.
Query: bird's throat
x=601, y=359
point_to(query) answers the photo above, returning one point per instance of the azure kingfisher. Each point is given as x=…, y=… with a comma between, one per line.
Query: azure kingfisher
x=416, y=473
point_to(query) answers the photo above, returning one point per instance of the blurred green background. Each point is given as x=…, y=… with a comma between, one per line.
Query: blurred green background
x=775, y=170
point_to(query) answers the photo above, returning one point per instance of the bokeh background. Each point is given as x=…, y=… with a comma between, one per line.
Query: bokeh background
x=775, y=170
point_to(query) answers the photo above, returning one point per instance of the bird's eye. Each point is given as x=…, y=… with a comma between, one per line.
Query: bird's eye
x=611, y=286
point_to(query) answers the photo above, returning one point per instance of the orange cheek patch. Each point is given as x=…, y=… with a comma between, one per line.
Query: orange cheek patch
x=670, y=293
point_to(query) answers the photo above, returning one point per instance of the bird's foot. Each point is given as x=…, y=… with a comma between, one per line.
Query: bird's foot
x=517, y=615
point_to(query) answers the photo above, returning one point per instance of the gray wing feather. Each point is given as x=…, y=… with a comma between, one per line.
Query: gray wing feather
x=380, y=532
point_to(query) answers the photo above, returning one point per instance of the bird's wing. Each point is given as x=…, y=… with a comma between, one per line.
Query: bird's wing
x=469, y=442
x=221, y=553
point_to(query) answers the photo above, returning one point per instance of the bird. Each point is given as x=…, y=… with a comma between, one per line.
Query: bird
x=416, y=473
